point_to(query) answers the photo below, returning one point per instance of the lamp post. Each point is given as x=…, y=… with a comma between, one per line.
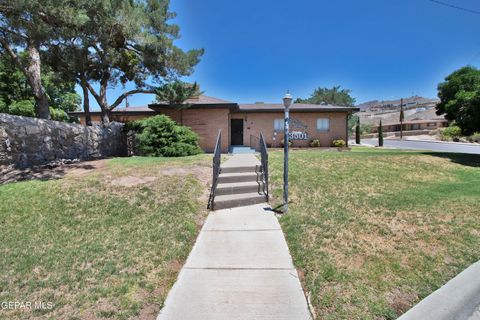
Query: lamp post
x=287, y=102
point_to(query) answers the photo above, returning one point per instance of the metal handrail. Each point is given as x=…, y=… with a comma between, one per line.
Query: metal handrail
x=264, y=162
x=216, y=169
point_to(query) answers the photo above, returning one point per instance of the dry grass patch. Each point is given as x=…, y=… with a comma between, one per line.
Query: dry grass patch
x=374, y=231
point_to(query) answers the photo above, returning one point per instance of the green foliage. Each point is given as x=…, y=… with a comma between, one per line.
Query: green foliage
x=159, y=136
x=452, y=132
x=3, y=106
x=175, y=93
x=460, y=99
x=24, y=108
x=339, y=143
x=352, y=122
x=14, y=88
x=334, y=96
x=357, y=132
x=474, y=137
x=58, y=114
x=380, y=134
x=122, y=42
x=315, y=143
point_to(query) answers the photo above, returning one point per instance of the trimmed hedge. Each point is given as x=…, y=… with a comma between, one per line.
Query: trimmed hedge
x=160, y=136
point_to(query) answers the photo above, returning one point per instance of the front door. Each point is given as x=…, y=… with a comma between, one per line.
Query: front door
x=236, y=129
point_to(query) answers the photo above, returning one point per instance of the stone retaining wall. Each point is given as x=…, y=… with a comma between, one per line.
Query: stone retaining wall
x=28, y=141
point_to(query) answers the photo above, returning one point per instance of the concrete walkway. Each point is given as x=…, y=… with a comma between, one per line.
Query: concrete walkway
x=239, y=268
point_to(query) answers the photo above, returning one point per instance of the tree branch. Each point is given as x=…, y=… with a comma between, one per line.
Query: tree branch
x=14, y=57
x=95, y=94
x=129, y=93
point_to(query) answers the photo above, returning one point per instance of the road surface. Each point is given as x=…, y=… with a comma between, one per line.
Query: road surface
x=427, y=145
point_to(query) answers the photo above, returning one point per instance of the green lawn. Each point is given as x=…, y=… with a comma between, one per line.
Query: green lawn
x=373, y=231
x=105, y=244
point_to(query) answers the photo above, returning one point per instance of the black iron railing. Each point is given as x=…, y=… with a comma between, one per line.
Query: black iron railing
x=217, y=153
x=264, y=161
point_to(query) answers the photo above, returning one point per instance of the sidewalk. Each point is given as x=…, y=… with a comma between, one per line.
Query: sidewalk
x=239, y=268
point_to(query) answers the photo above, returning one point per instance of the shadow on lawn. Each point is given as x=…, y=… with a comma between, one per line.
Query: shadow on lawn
x=471, y=160
x=44, y=172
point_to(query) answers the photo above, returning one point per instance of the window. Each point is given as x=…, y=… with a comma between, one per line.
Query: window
x=323, y=124
x=278, y=124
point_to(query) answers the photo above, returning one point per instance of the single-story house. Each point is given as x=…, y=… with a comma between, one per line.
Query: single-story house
x=241, y=124
x=412, y=125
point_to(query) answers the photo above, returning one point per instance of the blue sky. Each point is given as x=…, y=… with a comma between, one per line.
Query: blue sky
x=380, y=49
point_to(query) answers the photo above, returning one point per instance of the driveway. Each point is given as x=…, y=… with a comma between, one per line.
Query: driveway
x=427, y=145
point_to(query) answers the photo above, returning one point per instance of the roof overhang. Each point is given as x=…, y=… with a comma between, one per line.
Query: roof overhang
x=158, y=107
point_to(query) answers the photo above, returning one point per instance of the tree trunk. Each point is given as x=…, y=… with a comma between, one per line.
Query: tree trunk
x=34, y=78
x=105, y=116
x=101, y=98
x=33, y=74
x=86, y=102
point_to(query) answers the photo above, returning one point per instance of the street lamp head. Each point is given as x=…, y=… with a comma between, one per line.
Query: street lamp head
x=287, y=100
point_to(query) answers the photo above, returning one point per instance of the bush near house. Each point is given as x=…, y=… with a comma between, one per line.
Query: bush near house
x=160, y=136
x=314, y=143
x=339, y=143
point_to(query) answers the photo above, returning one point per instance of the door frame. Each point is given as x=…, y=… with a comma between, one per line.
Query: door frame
x=232, y=133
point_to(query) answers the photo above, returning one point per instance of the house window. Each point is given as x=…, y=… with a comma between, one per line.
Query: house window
x=323, y=124
x=278, y=124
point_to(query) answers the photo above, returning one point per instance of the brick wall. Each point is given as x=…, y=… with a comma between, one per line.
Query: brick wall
x=256, y=122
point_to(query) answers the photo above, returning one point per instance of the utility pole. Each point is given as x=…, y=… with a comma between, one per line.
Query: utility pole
x=402, y=116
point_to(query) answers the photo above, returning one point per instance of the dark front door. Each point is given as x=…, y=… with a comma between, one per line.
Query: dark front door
x=236, y=127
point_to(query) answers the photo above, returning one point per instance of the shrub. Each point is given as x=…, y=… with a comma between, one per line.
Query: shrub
x=3, y=106
x=452, y=132
x=474, y=137
x=314, y=143
x=24, y=108
x=58, y=114
x=160, y=136
x=339, y=143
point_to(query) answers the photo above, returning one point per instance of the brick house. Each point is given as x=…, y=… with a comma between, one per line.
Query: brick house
x=241, y=124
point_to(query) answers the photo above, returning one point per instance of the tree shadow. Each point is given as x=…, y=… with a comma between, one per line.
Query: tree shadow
x=465, y=159
x=43, y=172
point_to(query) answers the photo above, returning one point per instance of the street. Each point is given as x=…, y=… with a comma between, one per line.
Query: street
x=427, y=145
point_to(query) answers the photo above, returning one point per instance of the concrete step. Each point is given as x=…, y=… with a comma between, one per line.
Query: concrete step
x=238, y=169
x=238, y=200
x=239, y=187
x=239, y=177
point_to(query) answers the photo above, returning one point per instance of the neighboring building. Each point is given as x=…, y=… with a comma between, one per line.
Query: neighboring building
x=413, y=125
x=241, y=124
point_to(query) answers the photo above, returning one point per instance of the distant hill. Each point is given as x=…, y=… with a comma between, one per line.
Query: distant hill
x=386, y=105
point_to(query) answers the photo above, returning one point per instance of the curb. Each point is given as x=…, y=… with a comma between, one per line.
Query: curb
x=436, y=141
x=458, y=299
